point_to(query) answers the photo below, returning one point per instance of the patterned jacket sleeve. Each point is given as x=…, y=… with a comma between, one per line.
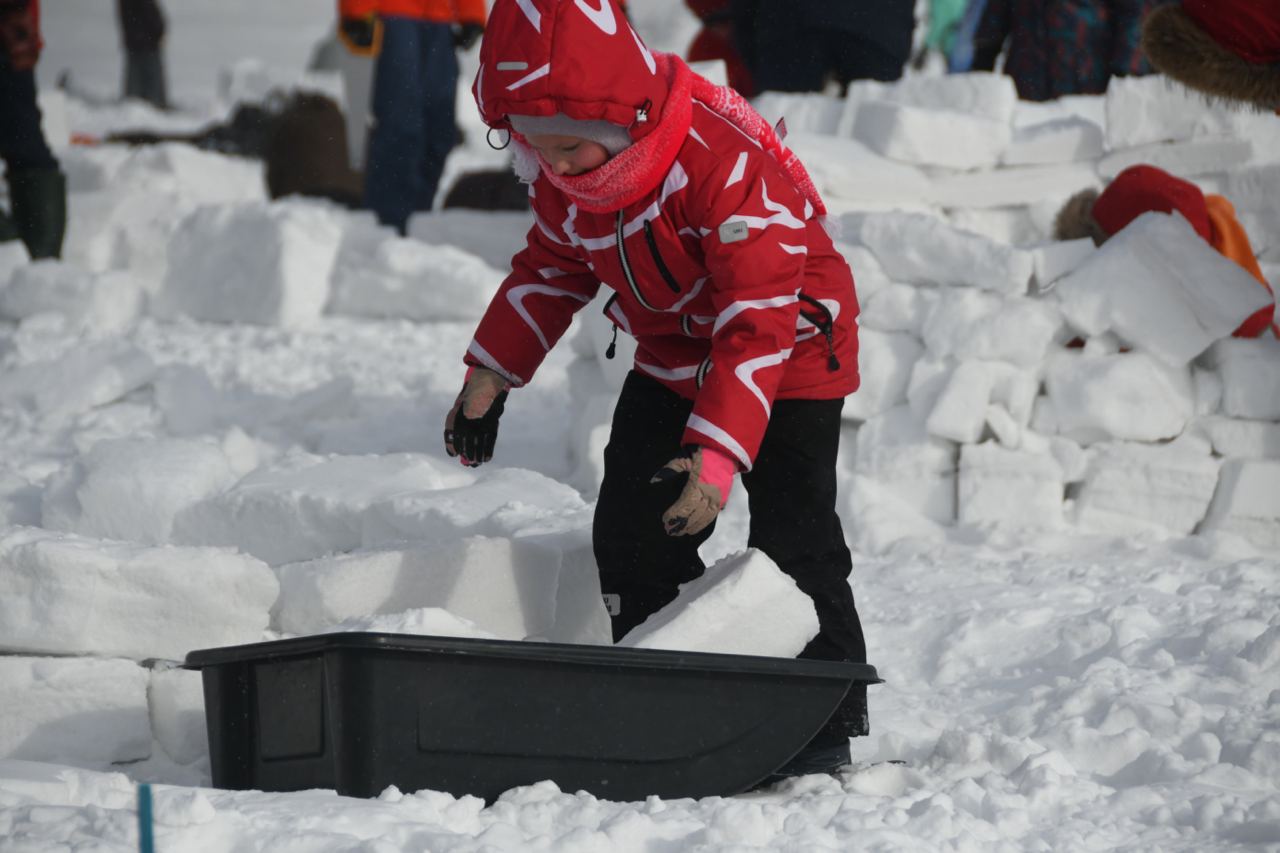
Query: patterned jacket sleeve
x=755, y=248
x=549, y=283
x=1127, y=56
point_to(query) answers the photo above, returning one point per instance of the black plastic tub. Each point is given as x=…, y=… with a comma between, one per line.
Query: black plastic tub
x=357, y=712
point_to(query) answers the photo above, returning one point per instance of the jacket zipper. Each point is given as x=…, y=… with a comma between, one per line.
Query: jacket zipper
x=626, y=269
x=657, y=258
x=824, y=323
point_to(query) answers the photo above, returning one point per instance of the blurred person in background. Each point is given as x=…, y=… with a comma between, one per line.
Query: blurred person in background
x=1062, y=47
x=37, y=187
x=142, y=28
x=414, y=91
x=1143, y=188
x=1228, y=49
x=798, y=45
x=717, y=40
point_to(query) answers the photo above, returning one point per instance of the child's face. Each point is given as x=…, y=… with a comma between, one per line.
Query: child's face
x=569, y=155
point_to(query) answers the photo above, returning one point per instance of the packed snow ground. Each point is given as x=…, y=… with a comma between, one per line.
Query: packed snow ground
x=220, y=422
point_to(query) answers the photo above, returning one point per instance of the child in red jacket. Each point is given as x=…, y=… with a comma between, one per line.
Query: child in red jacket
x=676, y=195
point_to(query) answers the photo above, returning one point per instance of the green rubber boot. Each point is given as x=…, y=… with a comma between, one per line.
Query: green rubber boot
x=39, y=201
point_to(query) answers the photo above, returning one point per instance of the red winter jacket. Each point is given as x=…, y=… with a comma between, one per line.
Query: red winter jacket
x=729, y=283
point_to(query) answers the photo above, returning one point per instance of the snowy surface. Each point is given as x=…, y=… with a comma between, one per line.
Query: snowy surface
x=220, y=423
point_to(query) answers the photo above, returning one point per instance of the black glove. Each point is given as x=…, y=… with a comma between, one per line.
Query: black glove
x=466, y=35
x=360, y=35
x=474, y=438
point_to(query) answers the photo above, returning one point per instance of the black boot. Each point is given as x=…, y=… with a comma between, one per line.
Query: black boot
x=39, y=201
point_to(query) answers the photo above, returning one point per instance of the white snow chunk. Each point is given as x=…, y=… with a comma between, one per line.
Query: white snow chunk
x=1021, y=186
x=885, y=360
x=1162, y=288
x=1184, y=159
x=1255, y=193
x=407, y=279
x=1132, y=488
x=275, y=270
x=131, y=489
x=79, y=380
x=979, y=93
x=804, y=112
x=1016, y=488
x=1208, y=386
x=868, y=275
x=67, y=594
x=961, y=410
x=175, y=699
x=494, y=236
x=504, y=586
x=895, y=450
x=498, y=502
x=850, y=174
x=73, y=710
x=13, y=257
x=1129, y=396
x=1250, y=371
x=103, y=303
x=1011, y=226
x=968, y=324
x=1239, y=437
x=896, y=307
x=1247, y=502
x=1154, y=109
x=422, y=621
x=917, y=247
x=1058, y=258
x=1061, y=140
x=303, y=506
x=931, y=137
x=885, y=518
x=742, y=605
x=192, y=405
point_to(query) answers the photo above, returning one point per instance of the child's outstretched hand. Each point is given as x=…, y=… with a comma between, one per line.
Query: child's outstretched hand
x=471, y=427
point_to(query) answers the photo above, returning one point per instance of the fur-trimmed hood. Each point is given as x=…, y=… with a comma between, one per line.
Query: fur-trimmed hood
x=1229, y=49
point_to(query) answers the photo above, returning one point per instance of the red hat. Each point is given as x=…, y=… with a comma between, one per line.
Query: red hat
x=1139, y=189
x=1223, y=48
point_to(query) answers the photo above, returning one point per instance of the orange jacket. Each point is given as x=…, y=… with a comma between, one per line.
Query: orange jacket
x=443, y=11
x=1229, y=238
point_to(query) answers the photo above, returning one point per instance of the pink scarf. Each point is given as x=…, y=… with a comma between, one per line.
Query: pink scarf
x=632, y=174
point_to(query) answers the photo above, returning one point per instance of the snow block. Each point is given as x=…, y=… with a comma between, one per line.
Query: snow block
x=896, y=307
x=1062, y=140
x=193, y=405
x=1129, y=396
x=1022, y=186
x=1154, y=109
x=850, y=174
x=73, y=710
x=931, y=137
x=497, y=502
x=79, y=380
x=175, y=702
x=1247, y=502
x=303, y=506
x=131, y=489
x=1009, y=487
x=1011, y=226
x=494, y=236
x=103, y=303
x=1133, y=488
x=1161, y=288
x=13, y=256
x=505, y=586
x=967, y=324
x=1184, y=159
x=380, y=276
x=979, y=93
x=275, y=273
x=1058, y=258
x=895, y=451
x=1250, y=372
x=1244, y=438
x=885, y=360
x=66, y=594
x=963, y=407
x=805, y=112
x=581, y=616
x=742, y=605
x=918, y=248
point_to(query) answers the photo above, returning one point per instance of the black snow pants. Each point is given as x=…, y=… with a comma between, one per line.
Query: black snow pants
x=791, y=492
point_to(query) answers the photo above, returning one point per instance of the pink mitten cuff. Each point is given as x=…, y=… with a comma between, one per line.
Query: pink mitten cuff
x=718, y=470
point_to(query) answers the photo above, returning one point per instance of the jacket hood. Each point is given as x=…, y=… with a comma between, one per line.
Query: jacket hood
x=1230, y=50
x=576, y=57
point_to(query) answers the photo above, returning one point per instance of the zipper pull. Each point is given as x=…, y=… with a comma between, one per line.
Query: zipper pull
x=833, y=363
x=613, y=344
x=642, y=112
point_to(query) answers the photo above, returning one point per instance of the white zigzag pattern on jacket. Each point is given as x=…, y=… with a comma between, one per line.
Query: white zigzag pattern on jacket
x=516, y=297
x=747, y=370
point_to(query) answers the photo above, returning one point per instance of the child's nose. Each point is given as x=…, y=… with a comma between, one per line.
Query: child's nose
x=561, y=165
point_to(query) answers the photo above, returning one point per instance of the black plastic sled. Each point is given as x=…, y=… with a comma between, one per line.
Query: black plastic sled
x=357, y=712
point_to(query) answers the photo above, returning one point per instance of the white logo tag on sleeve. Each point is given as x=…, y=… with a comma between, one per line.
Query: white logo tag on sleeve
x=733, y=231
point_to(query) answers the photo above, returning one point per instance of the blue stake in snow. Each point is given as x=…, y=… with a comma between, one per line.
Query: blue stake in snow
x=146, y=843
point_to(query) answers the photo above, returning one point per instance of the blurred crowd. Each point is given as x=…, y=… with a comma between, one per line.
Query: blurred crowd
x=405, y=128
